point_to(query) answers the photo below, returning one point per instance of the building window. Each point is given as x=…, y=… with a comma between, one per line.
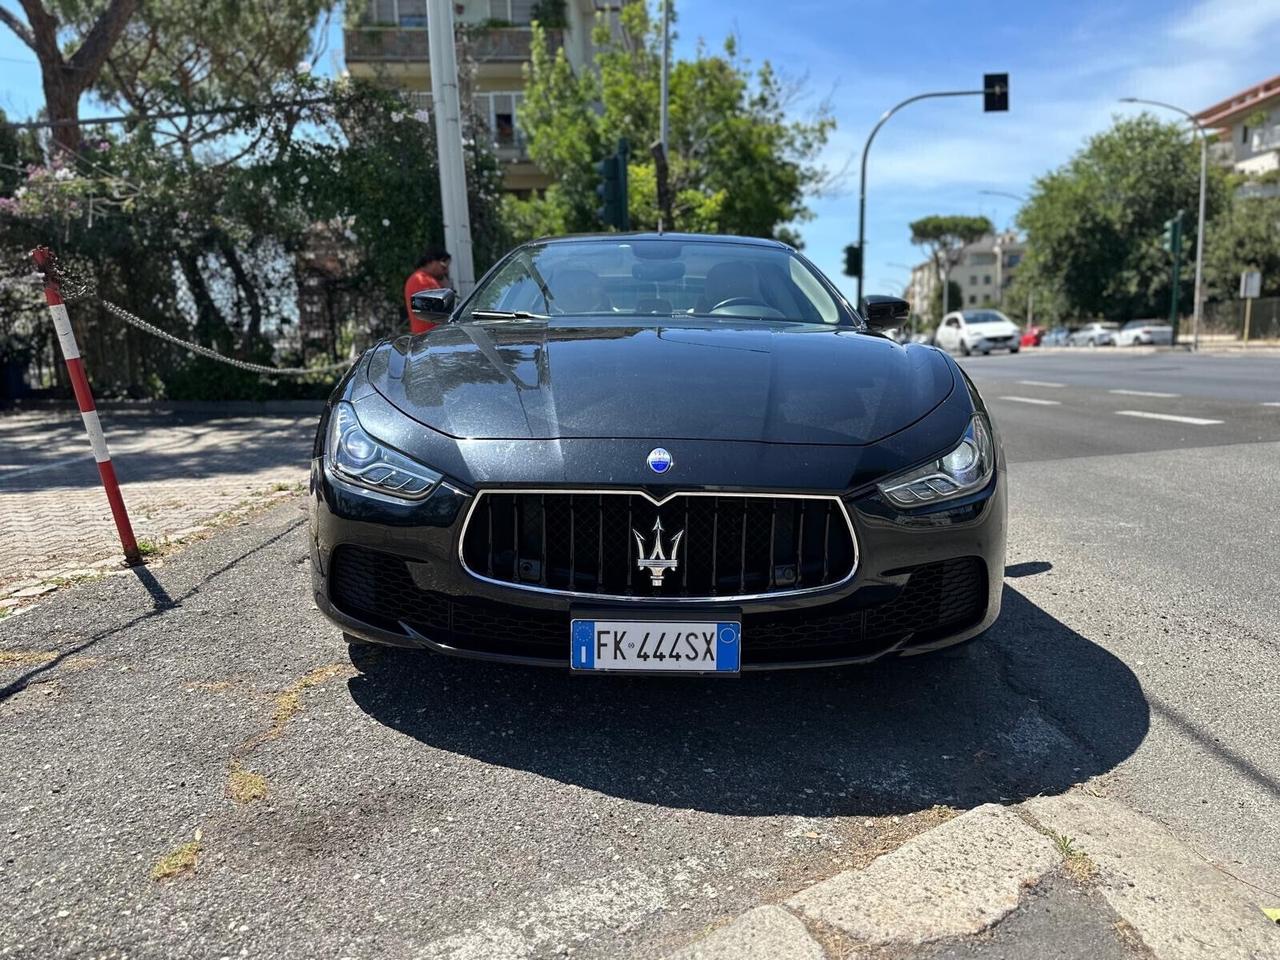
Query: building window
x=1244, y=133
x=519, y=12
x=986, y=279
x=498, y=112
x=391, y=13
x=972, y=299
x=973, y=279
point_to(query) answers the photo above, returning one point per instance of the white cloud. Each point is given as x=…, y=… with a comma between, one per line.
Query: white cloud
x=1228, y=26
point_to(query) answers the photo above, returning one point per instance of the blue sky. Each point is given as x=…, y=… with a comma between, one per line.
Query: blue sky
x=1068, y=62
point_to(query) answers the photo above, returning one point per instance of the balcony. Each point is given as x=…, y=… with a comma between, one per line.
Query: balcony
x=1265, y=138
x=1222, y=152
x=508, y=144
x=409, y=44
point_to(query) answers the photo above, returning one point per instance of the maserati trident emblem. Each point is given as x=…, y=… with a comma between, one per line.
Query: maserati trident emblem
x=657, y=563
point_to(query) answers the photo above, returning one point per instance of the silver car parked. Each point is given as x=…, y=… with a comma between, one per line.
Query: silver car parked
x=1097, y=334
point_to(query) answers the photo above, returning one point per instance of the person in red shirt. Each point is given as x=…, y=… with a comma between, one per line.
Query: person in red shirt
x=431, y=273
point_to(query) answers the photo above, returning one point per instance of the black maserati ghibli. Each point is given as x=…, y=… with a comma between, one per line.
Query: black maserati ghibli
x=657, y=452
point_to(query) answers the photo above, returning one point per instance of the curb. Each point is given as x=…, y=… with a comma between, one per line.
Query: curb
x=967, y=875
x=223, y=407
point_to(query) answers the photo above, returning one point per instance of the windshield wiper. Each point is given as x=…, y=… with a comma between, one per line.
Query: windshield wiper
x=506, y=315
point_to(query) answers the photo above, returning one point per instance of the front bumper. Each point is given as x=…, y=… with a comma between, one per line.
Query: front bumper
x=390, y=574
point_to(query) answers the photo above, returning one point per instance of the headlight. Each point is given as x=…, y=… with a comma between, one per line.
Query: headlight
x=354, y=456
x=965, y=469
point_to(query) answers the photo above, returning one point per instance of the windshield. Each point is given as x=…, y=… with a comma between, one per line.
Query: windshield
x=663, y=278
x=985, y=316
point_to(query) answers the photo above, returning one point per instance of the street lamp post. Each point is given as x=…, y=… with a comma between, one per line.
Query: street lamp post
x=1000, y=251
x=862, y=181
x=1204, y=170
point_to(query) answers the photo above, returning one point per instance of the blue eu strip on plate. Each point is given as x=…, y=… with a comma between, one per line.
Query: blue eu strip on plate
x=656, y=646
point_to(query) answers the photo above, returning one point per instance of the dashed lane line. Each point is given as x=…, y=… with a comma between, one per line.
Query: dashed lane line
x=1036, y=400
x=1040, y=383
x=1271, y=403
x=1148, y=415
x=1144, y=393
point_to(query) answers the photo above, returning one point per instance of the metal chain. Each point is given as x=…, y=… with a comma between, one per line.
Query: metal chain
x=203, y=351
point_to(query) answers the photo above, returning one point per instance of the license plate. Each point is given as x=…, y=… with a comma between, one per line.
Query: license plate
x=656, y=646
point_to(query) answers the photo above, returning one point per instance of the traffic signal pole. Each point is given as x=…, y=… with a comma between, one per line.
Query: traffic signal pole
x=995, y=94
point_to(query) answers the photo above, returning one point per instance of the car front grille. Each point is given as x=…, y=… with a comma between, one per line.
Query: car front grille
x=939, y=599
x=591, y=544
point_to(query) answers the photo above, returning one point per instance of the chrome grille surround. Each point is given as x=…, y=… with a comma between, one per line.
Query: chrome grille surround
x=840, y=509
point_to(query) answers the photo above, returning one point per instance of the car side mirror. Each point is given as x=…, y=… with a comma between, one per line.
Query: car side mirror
x=435, y=305
x=883, y=312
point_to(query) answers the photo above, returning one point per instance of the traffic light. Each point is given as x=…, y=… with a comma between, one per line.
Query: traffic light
x=612, y=189
x=995, y=92
x=853, y=260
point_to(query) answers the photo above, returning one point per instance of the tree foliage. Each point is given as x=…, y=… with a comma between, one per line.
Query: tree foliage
x=1245, y=237
x=943, y=237
x=1094, y=225
x=227, y=230
x=737, y=163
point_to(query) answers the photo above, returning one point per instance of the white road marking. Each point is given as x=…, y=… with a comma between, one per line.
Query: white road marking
x=1144, y=393
x=1271, y=403
x=1197, y=421
x=1035, y=400
x=1040, y=383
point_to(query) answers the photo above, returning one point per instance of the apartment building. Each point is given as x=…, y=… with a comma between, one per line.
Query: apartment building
x=1248, y=128
x=984, y=271
x=389, y=45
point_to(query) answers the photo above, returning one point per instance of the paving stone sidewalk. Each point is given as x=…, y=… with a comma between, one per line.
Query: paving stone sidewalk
x=178, y=471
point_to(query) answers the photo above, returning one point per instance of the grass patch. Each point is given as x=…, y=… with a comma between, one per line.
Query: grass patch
x=245, y=786
x=176, y=862
x=1077, y=863
x=148, y=548
x=289, y=702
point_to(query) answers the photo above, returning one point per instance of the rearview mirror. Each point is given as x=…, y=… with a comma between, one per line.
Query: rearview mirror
x=435, y=305
x=882, y=312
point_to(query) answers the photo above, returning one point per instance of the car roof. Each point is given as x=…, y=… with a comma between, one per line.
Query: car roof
x=682, y=237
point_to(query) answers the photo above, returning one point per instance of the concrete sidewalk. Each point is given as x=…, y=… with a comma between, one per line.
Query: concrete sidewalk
x=178, y=470
x=1070, y=876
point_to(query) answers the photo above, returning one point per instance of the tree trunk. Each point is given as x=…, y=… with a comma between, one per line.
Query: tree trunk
x=66, y=78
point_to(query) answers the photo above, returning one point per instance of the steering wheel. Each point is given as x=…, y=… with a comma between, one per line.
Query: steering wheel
x=740, y=302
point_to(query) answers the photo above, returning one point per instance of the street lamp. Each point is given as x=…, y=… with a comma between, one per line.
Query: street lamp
x=995, y=94
x=1204, y=169
x=1000, y=253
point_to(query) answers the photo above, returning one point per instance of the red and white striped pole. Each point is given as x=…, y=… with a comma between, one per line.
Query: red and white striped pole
x=84, y=397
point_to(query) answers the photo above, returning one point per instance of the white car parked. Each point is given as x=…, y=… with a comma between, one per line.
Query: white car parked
x=1137, y=332
x=978, y=331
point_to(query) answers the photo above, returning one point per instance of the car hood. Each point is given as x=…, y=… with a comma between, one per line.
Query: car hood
x=995, y=330
x=579, y=378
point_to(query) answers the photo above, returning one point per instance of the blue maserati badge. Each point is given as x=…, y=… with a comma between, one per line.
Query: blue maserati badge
x=660, y=461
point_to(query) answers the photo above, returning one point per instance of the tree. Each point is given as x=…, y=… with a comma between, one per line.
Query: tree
x=1094, y=225
x=737, y=164
x=943, y=237
x=1245, y=237
x=64, y=77
x=955, y=299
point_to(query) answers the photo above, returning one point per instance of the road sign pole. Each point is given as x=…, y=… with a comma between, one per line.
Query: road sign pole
x=1177, y=272
x=44, y=259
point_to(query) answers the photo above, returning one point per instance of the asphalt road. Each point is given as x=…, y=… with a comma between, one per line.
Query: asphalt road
x=423, y=807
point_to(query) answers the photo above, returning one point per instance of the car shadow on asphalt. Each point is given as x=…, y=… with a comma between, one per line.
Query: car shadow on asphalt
x=1032, y=707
